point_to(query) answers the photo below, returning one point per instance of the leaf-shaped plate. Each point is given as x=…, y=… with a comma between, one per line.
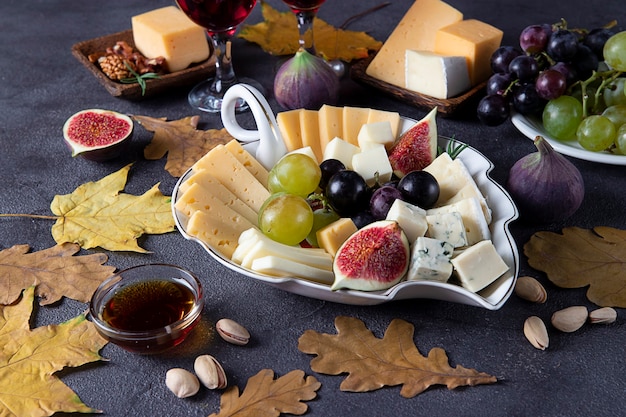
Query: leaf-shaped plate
x=492, y=297
x=531, y=127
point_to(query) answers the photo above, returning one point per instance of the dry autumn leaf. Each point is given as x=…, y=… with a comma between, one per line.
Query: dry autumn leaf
x=330, y=42
x=393, y=360
x=180, y=139
x=97, y=214
x=29, y=358
x=265, y=396
x=583, y=257
x=54, y=272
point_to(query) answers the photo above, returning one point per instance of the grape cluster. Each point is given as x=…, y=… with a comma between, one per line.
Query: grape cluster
x=552, y=74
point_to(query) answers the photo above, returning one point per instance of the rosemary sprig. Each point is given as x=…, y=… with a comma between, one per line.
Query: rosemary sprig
x=455, y=148
x=138, y=78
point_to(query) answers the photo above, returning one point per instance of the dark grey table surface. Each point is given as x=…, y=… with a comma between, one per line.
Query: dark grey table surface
x=581, y=374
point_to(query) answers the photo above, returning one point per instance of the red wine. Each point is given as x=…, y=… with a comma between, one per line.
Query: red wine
x=217, y=15
x=304, y=5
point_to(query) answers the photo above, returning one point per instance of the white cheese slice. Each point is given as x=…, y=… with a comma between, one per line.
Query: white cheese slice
x=436, y=75
x=373, y=164
x=411, y=218
x=479, y=266
x=430, y=260
x=447, y=227
x=274, y=265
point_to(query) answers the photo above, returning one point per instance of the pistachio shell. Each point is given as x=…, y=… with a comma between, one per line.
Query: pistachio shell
x=182, y=382
x=530, y=289
x=232, y=332
x=536, y=332
x=604, y=315
x=210, y=372
x=570, y=319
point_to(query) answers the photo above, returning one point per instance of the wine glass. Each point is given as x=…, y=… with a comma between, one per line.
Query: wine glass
x=305, y=11
x=220, y=18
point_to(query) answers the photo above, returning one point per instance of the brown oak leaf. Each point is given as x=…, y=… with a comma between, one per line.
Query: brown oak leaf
x=29, y=358
x=265, y=396
x=582, y=257
x=393, y=360
x=180, y=139
x=54, y=271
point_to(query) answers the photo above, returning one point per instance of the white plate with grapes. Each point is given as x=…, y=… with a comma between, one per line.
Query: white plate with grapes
x=531, y=127
x=492, y=297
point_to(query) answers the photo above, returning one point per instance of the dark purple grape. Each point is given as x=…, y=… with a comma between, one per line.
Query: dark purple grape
x=493, y=110
x=382, y=200
x=568, y=70
x=524, y=67
x=362, y=219
x=498, y=83
x=533, y=38
x=595, y=40
x=502, y=57
x=585, y=62
x=562, y=45
x=526, y=100
x=419, y=188
x=550, y=84
x=329, y=167
x=347, y=193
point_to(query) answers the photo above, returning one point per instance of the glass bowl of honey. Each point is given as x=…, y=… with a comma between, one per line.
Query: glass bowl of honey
x=147, y=308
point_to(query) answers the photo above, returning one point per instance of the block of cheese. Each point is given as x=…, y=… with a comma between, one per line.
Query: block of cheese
x=169, y=33
x=412, y=219
x=476, y=227
x=289, y=126
x=447, y=227
x=479, y=265
x=373, y=164
x=342, y=151
x=416, y=30
x=248, y=161
x=430, y=260
x=376, y=133
x=473, y=39
x=392, y=117
x=220, y=228
x=331, y=124
x=353, y=119
x=332, y=236
x=310, y=132
x=436, y=75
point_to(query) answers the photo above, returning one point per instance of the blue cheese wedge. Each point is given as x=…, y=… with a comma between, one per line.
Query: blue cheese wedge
x=430, y=260
x=476, y=227
x=478, y=266
x=447, y=227
x=411, y=218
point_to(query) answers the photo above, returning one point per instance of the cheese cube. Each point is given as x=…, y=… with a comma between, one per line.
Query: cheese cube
x=479, y=266
x=473, y=39
x=289, y=126
x=332, y=236
x=447, y=227
x=435, y=75
x=416, y=31
x=430, y=260
x=342, y=151
x=377, y=133
x=330, y=124
x=169, y=33
x=476, y=227
x=373, y=164
x=412, y=219
x=310, y=132
x=353, y=119
x=392, y=117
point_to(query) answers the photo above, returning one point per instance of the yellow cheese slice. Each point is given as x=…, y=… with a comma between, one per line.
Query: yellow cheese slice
x=289, y=126
x=473, y=39
x=248, y=161
x=353, y=119
x=392, y=117
x=331, y=124
x=169, y=33
x=220, y=228
x=310, y=132
x=415, y=31
x=332, y=236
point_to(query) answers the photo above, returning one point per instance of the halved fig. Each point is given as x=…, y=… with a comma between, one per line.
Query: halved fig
x=98, y=135
x=374, y=258
x=416, y=148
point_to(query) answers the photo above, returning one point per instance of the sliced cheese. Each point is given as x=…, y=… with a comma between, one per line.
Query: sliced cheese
x=220, y=229
x=332, y=236
x=394, y=119
x=248, y=161
x=169, y=33
x=280, y=267
x=310, y=132
x=415, y=31
x=330, y=124
x=289, y=126
x=473, y=39
x=479, y=266
x=353, y=119
x=436, y=75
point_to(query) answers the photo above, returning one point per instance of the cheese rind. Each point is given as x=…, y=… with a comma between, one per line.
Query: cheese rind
x=479, y=265
x=436, y=75
x=169, y=33
x=430, y=260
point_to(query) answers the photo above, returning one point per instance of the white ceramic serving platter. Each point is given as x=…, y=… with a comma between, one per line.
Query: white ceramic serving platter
x=492, y=297
x=531, y=127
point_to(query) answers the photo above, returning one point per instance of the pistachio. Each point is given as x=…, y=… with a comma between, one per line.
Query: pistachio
x=530, y=289
x=182, y=382
x=210, y=372
x=232, y=332
x=570, y=319
x=536, y=332
x=604, y=315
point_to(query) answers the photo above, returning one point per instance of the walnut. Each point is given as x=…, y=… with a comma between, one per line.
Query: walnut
x=113, y=66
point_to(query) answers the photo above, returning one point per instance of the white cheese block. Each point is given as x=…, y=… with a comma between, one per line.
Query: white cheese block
x=307, y=150
x=341, y=150
x=377, y=133
x=479, y=265
x=274, y=265
x=430, y=260
x=373, y=164
x=447, y=227
x=476, y=227
x=412, y=219
x=435, y=75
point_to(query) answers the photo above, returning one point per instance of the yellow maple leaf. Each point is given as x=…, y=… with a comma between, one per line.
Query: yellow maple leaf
x=330, y=42
x=97, y=214
x=29, y=358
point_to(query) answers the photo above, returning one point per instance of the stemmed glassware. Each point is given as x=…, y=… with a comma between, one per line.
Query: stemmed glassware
x=305, y=11
x=220, y=18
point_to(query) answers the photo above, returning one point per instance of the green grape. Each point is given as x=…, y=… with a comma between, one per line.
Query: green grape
x=616, y=114
x=615, y=51
x=620, y=139
x=562, y=116
x=596, y=133
x=615, y=92
x=286, y=218
x=295, y=173
x=321, y=217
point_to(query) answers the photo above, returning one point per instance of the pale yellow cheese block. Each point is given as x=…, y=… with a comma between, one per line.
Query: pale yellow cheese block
x=375, y=116
x=289, y=126
x=473, y=39
x=330, y=124
x=332, y=236
x=248, y=161
x=353, y=119
x=234, y=176
x=310, y=132
x=416, y=31
x=220, y=228
x=169, y=33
